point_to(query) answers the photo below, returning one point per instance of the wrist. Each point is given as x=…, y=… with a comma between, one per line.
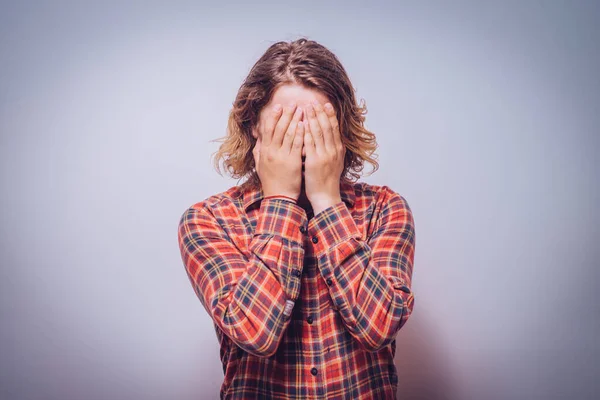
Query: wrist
x=324, y=203
x=282, y=197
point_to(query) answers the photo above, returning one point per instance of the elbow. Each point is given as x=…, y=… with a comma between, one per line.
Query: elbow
x=375, y=343
x=262, y=347
x=266, y=350
x=367, y=346
x=376, y=339
x=267, y=354
x=248, y=331
x=254, y=338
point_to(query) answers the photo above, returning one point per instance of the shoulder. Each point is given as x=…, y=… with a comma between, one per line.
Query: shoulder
x=380, y=195
x=217, y=203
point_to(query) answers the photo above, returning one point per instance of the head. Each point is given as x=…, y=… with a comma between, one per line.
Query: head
x=285, y=94
x=300, y=71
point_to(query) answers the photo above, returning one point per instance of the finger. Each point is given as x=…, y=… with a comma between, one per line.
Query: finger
x=325, y=126
x=315, y=128
x=335, y=126
x=298, y=140
x=290, y=133
x=272, y=118
x=283, y=124
x=309, y=143
x=256, y=149
x=256, y=153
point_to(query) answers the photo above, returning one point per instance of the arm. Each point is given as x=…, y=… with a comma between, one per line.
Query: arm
x=249, y=298
x=369, y=281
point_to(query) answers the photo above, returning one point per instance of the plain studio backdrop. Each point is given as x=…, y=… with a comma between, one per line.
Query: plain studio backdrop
x=487, y=117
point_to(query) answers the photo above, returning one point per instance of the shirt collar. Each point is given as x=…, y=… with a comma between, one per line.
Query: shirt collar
x=251, y=195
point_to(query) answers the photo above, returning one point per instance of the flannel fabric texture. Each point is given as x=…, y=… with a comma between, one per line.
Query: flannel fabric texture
x=304, y=307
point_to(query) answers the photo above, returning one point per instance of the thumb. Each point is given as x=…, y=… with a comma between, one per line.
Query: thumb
x=256, y=153
x=309, y=144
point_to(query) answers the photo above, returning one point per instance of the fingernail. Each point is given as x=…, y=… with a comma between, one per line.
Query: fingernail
x=328, y=106
x=277, y=108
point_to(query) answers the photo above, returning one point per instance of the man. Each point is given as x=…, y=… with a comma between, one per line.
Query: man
x=306, y=275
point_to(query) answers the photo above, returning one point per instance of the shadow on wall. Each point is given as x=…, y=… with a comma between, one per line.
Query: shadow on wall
x=424, y=370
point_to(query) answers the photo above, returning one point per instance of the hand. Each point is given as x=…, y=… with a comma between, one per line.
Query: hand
x=324, y=157
x=278, y=152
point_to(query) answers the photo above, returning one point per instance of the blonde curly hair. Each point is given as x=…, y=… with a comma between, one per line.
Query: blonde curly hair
x=310, y=64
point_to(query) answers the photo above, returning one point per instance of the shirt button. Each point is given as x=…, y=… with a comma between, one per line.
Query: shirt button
x=302, y=229
x=309, y=320
x=297, y=272
x=314, y=371
x=329, y=281
x=315, y=239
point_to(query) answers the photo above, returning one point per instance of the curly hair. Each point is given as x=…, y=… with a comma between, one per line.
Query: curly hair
x=310, y=64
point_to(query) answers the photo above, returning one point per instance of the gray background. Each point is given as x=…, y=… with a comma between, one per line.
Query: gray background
x=487, y=116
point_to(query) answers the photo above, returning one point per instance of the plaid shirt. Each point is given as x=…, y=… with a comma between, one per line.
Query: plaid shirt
x=304, y=307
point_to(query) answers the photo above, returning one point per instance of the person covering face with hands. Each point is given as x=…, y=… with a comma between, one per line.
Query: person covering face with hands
x=305, y=274
x=299, y=152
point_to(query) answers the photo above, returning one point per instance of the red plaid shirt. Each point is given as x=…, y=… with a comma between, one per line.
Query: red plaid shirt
x=303, y=307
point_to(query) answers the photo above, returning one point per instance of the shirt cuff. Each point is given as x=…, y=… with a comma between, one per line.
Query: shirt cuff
x=281, y=217
x=331, y=227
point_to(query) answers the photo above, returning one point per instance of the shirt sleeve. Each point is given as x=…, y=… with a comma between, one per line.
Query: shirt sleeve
x=248, y=294
x=369, y=280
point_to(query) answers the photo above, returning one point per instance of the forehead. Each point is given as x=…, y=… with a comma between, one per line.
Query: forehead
x=301, y=95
